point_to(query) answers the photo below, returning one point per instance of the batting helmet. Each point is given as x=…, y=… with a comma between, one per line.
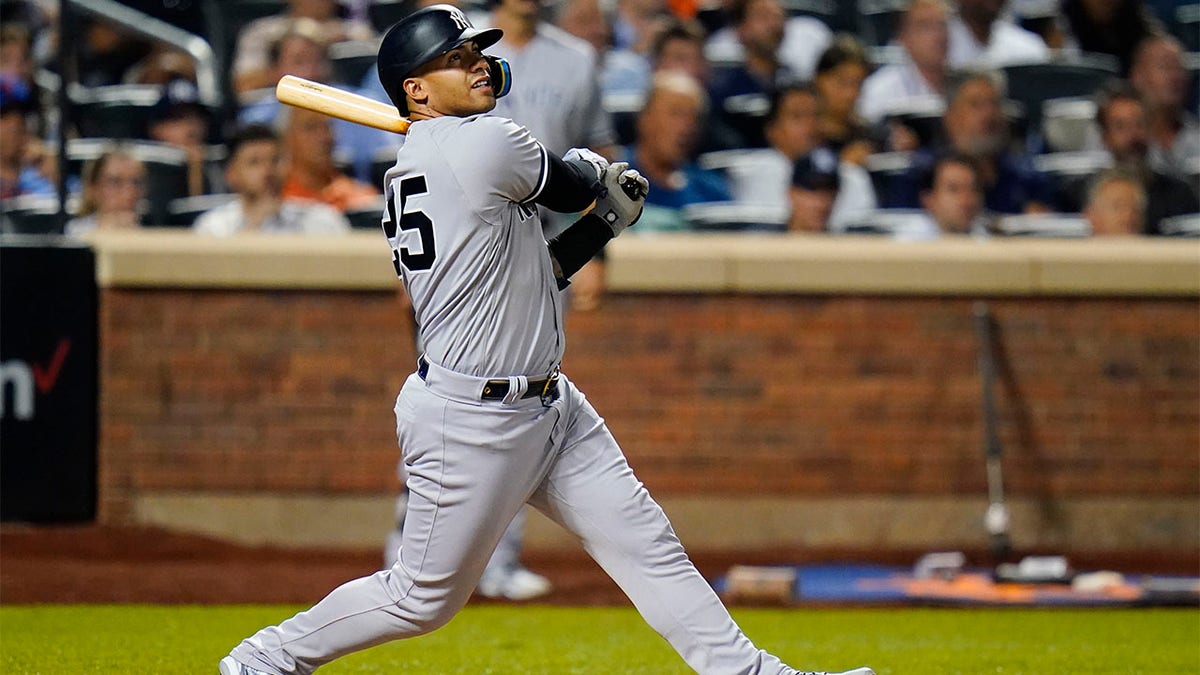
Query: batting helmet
x=426, y=34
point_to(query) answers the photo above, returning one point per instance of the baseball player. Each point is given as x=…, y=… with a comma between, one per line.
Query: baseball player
x=487, y=423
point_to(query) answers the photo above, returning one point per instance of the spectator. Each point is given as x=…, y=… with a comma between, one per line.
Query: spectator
x=680, y=47
x=301, y=52
x=19, y=172
x=1113, y=27
x=557, y=90
x=814, y=189
x=980, y=37
x=1157, y=73
x=179, y=119
x=804, y=39
x=840, y=75
x=626, y=69
x=1116, y=204
x=763, y=177
x=1121, y=118
x=952, y=197
x=635, y=22
x=975, y=127
x=667, y=130
x=923, y=35
x=114, y=185
x=252, y=62
x=312, y=173
x=16, y=52
x=254, y=171
x=740, y=91
x=586, y=20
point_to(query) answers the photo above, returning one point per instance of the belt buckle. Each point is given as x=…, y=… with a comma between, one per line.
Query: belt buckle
x=546, y=395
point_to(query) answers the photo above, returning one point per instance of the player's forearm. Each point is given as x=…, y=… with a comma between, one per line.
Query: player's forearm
x=577, y=245
x=570, y=187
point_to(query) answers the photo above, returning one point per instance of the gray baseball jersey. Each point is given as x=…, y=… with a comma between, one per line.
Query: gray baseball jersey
x=468, y=244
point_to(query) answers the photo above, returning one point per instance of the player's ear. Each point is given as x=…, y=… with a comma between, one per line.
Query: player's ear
x=415, y=89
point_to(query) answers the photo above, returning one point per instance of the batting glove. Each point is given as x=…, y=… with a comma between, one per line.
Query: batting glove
x=622, y=197
x=597, y=162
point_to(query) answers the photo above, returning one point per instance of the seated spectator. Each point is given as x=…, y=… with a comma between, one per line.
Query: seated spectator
x=1157, y=73
x=585, y=20
x=1116, y=204
x=923, y=36
x=114, y=185
x=312, y=172
x=739, y=92
x=16, y=52
x=840, y=74
x=952, y=198
x=974, y=126
x=301, y=52
x=19, y=158
x=1113, y=27
x=762, y=177
x=814, y=189
x=179, y=119
x=982, y=37
x=252, y=62
x=680, y=47
x=804, y=39
x=667, y=129
x=254, y=171
x=1121, y=118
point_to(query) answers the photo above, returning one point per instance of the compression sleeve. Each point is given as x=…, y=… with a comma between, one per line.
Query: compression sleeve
x=576, y=245
x=570, y=187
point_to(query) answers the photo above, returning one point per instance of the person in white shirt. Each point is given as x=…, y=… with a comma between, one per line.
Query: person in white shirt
x=255, y=172
x=1158, y=74
x=924, y=36
x=952, y=197
x=804, y=40
x=980, y=37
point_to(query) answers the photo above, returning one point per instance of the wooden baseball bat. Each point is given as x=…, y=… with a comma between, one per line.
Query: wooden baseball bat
x=340, y=103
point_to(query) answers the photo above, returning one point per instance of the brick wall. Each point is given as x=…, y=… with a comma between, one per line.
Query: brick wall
x=230, y=391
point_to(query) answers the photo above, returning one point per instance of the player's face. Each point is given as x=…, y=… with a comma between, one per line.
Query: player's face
x=456, y=84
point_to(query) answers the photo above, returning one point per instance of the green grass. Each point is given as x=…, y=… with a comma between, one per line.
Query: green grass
x=499, y=639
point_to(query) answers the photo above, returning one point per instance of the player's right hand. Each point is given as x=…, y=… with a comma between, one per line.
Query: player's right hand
x=625, y=190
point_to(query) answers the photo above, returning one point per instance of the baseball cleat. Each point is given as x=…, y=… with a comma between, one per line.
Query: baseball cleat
x=520, y=584
x=228, y=666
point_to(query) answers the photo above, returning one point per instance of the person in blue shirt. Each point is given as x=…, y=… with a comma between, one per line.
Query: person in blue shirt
x=18, y=176
x=667, y=130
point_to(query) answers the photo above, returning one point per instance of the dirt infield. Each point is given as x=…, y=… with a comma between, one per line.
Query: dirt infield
x=96, y=564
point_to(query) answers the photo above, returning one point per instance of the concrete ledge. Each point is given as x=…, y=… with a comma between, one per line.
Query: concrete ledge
x=690, y=263
x=1079, y=525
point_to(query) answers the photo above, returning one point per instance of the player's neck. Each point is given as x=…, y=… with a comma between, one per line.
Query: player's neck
x=518, y=29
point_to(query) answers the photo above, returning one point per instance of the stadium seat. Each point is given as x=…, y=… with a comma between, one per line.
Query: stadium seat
x=384, y=159
x=1073, y=164
x=383, y=13
x=353, y=59
x=1181, y=226
x=878, y=20
x=166, y=169
x=30, y=214
x=624, y=109
x=899, y=223
x=735, y=217
x=1032, y=84
x=1186, y=26
x=923, y=115
x=367, y=217
x=116, y=111
x=184, y=211
x=888, y=170
x=1066, y=123
x=1057, y=225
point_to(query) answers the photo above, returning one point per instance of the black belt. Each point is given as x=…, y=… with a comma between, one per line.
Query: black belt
x=497, y=390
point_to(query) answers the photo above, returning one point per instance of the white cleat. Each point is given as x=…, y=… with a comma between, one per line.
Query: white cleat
x=520, y=584
x=228, y=666
x=857, y=671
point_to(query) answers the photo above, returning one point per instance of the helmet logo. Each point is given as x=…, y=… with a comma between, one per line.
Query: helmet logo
x=460, y=19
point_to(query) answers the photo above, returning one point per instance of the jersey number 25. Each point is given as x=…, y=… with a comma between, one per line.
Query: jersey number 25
x=416, y=220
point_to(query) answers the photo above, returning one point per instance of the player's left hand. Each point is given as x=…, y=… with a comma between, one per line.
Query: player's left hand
x=620, y=203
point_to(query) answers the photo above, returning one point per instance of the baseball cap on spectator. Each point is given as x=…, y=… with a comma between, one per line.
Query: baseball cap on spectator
x=818, y=170
x=179, y=98
x=16, y=96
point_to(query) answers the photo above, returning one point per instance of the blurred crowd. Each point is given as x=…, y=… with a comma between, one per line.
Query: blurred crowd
x=910, y=118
